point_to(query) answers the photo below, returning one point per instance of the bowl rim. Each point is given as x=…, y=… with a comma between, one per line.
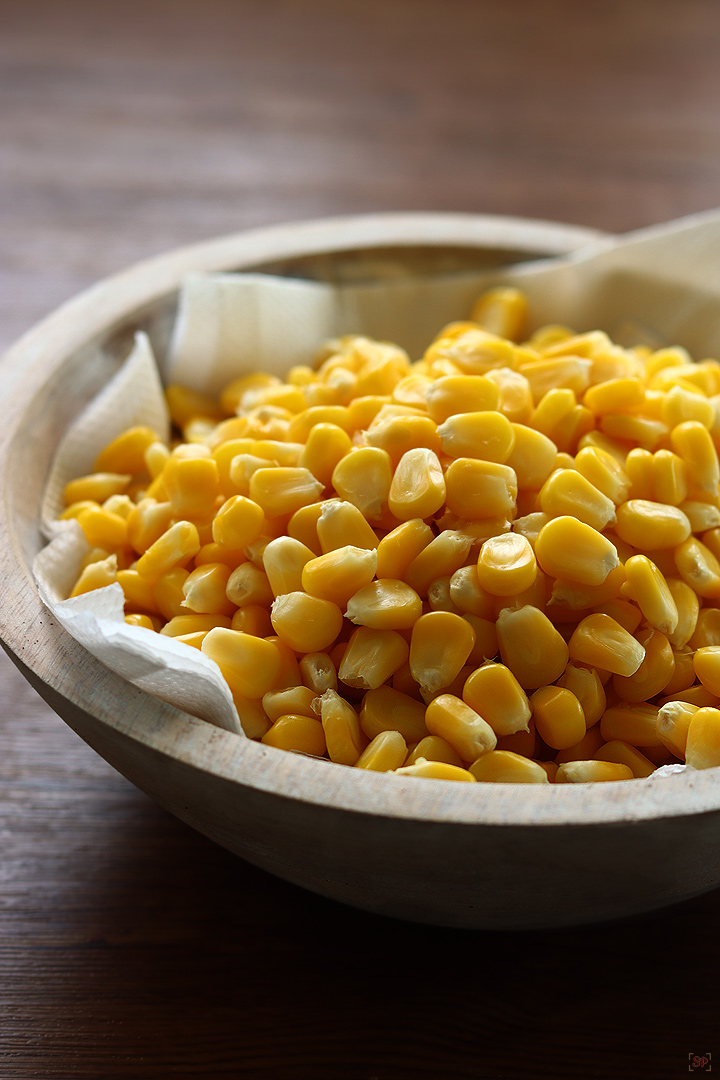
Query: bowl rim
x=49, y=656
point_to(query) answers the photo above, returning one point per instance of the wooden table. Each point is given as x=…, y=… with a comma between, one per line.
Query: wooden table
x=131, y=947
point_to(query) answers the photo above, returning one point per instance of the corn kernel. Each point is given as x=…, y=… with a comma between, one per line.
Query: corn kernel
x=97, y=487
x=252, y=619
x=460, y=394
x=566, y=491
x=250, y=665
x=372, y=657
x=385, y=753
x=585, y=772
x=530, y=646
x=339, y=574
x=238, y=522
x=293, y=700
x=182, y=625
x=340, y=524
x=386, y=604
x=601, y=642
x=343, y=735
x=632, y=723
x=418, y=485
x=505, y=767
x=652, y=594
x=480, y=489
x=486, y=435
x=385, y=709
x=435, y=770
x=175, y=547
x=698, y=567
x=282, y=491
x=439, y=647
x=693, y=443
x=496, y=695
x=602, y=470
x=443, y=555
x=586, y=685
x=96, y=575
x=306, y=623
x=625, y=754
x=326, y=446
x=363, y=478
x=558, y=715
x=702, y=750
x=570, y=549
x=506, y=565
x=248, y=585
x=460, y=726
x=204, y=589
x=584, y=749
x=301, y=734
x=673, y=722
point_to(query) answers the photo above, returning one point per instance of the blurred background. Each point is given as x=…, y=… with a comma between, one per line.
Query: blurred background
x=129, y=946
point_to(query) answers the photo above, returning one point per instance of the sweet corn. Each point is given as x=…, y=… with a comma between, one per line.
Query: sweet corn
x=443, y=555
x=651, y=593
x=435, y=770
x=566, y=491
x=584, y=749
x=687, y=606
x=635, y=724
x=505, y=767
x=174, y=548
x=531, y=647
x=301, y=734
x=97, y=487
x=282, y=491
x=460, y=726
x=372, y=657
x=496, y=695
x=183, y=625
x=586, y=685
x=250, y=665
x=96, y=575
x=572, y=550
x=294, y=700
x=625, y=754
x=252, y=619
x=343, y=735
x=204, y=590
x=698, y=567
x=480, y=489
x=385, y=753
x=516, y=396
x=433, y=748
x=655, y=672
x=651, y=526
x=306, y=623
x=585, y=772
x=340, y=574
x=326, y=446
x=385, y=604
x=486, y=435
x=693, y=443
x=439, y=647
x=363, y=478
x=602, y=470
x=318, y=672
x=601, y=642
x=385, y=709
x=558, y=715
x=248, y=585
x=506, y=565
x=454, y=394
x=532, y=457
x=702, y=750
x=418, y=485
x=340, y=524
x=502, y=311
x=673, y=722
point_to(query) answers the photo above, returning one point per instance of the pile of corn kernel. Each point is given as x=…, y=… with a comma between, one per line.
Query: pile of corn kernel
x=497, y=563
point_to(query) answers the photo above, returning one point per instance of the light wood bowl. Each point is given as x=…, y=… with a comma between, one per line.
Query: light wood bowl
x=480, y=855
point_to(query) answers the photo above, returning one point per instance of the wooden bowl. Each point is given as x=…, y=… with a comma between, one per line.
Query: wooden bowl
x=480, y=855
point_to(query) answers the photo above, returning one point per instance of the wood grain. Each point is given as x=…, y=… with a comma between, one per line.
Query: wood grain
x=129, y=946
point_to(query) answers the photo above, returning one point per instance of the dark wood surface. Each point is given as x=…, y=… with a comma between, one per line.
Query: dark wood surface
x=131, y=947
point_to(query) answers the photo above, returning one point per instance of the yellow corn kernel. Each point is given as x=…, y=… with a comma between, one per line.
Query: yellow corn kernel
x=486, y=435
x=102, y=529
x=502, y=311
x=343, y=735
x=601, y=642
x=640, y=469
x=584, y=749
x=443, y=555
x=175, y=547
x=238, y=522
x=289, y=670
x=580, y=597
x=440, y=644
x=253, y=553
x=283, y=561
x=698, y=567
x=96, y=575
x=326, y=446
x=248, y=585
x=363, y=478
x=530, y=646
x=558, y=715
x=516, y=401
x=204, y=590
x=460, y=726
x=454, y=394
x=532, y=457
x=192, y=485
x=385, y=604
x=385, y=753
x=302, y=526
x=241, y=470
x=506, y=565
x=641, y=430
x=306, y=623
x=615, y=396
x=702, y=516
x=706, y=663
x=97, y=487
x=252, y=619
x=559, y=341
x=147, y=522
x=669, y=478
x=139, y=592
x=598, y=440
x=121, y=505
x=632, y=723
x=231, y=396
x=486, y=642
x=169, y=598
x=707, y=629
x=702, y=750
x=438, y=596
x=250, y=665
x=625, y=754
x=435, y=770
x=673, y=722
x=473, y=351
x=585, y=772
x=295, y=700
x=505, y=767
x=386, y=709
x=602, y=470
x=684, y=675
x=651, y=526
x=687, y=606
x=651, y=593
x=340, y=524
x=283, y=490
x=339, y=574
x=182, y=625
x=480, y=489
x=398, y=548
x=318, y=672
x=586, y=685
x=570, y=549
x=433, y=748
x=418, y=485
x=301, y=734
x=468, y=595
x=623, y=611
x=681, y=406
x=185, y=405
x=521, y=742
x=136, y=619
x=398, y=434
x=372, y=657
x=412, y=390
x=693, y=443
x=126, y=453
x=75, y=509
x=529, y=525
x=566, y=491
x=494, y=692
x=548, y=374
x=363, y=410
x=655, y=672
